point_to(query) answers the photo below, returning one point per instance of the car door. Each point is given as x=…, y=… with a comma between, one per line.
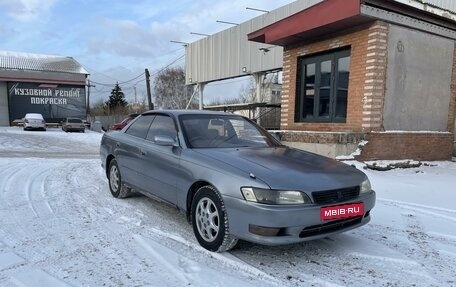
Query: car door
x=129, y=151
x=160, y=164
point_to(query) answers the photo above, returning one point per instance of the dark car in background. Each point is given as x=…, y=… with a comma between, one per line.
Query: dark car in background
x=123, y=123
x=73, y=125
x=234, y=180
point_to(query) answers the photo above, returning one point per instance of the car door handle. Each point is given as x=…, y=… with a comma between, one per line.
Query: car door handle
x=142, y=152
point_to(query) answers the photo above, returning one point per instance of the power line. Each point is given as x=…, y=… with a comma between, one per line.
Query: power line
x=121, y=83
x=135, y=78
x=107, y=76
x=167, y=66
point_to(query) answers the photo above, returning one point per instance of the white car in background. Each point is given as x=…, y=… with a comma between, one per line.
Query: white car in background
x=34, y=121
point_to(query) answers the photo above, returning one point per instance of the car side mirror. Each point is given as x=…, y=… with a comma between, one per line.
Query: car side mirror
x=276, y=136
x=164, y=140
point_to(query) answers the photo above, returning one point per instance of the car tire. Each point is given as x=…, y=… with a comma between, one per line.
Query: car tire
x=117, y=188
x=210, y=221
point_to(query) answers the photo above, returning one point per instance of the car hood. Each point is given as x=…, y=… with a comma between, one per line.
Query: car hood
x=288, y=168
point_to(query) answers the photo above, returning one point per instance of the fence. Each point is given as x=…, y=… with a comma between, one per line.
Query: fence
x=266, y=115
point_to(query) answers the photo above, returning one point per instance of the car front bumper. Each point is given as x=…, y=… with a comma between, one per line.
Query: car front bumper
x=289, y=224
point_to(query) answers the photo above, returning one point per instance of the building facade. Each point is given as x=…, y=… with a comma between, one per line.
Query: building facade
x=53, y=86
x=378, y=76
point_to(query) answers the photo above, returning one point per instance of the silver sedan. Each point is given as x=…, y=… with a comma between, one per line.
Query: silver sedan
x=234, y=180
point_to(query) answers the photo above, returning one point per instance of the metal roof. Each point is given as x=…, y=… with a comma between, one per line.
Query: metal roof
x=228, y=53
x=38, y=62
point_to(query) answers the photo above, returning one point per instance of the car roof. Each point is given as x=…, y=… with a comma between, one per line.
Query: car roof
x=187, y=112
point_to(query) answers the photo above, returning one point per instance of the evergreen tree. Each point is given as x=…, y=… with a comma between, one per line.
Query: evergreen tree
x=117, y=98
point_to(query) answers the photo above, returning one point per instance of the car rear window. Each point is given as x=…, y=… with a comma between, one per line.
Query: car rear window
x=34, y=116
x=74, y=121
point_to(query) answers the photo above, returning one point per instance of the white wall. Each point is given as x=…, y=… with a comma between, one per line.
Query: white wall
x=4, y=114
x=418, y=86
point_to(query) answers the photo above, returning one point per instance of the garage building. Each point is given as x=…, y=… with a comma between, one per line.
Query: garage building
x=53, y=86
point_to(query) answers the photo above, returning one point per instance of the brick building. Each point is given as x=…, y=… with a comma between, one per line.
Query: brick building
x=375, y=74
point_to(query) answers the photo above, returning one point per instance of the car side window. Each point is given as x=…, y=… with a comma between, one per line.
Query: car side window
x=162, y=126
x=141, y=126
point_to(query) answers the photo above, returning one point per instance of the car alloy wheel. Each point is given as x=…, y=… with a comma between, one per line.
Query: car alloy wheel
x=210, y=221
x=207, y=219
x=114, y=179
x=116, y=186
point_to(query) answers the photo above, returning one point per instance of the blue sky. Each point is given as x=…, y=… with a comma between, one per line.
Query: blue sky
x=116, y=40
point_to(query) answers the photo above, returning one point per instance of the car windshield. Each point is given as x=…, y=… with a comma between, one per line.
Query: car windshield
x=223, y=131
x=74, y=121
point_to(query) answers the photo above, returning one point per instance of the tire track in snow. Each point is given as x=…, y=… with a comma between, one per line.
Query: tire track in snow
x=6, y=176
x=226, y=259
x=422, y=250
x=28, y=180
x=35, y=186
x=424, y=209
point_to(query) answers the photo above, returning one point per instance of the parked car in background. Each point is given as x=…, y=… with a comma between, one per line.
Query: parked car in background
x=234, y=180
x=73, y=125
x=33, y=121
x=18, y=122
x=123, y=123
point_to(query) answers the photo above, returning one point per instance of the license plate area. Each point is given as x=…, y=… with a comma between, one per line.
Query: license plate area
x=341, y=211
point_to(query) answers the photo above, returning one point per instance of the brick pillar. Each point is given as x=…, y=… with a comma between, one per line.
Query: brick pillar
x=375, y=77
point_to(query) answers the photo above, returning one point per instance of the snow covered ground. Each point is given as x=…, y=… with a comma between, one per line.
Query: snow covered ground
x=59, y=226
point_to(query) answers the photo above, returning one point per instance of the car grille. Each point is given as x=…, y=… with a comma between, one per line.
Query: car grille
x=329, y=227
x=335, y=196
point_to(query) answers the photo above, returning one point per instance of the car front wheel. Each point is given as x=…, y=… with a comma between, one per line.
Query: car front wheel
x=118, y=190
x=210, y=221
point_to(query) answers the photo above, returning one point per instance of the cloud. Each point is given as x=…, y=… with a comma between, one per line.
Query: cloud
x=128, y=39
x=27, y=10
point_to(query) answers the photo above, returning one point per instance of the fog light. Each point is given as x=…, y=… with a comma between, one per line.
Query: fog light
x=263, y=231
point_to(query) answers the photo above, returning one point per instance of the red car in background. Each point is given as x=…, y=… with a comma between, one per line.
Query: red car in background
x=124, y=122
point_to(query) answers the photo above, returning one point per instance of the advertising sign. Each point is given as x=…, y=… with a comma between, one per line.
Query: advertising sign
x=55, y=102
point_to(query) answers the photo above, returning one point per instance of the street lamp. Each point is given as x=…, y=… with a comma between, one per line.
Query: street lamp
x=225, y=22
x=199, y=34
x=255, y=9
x=185, y=44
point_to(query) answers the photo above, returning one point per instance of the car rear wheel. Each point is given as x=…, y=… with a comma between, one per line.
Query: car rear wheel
x=117, y=188
x=210, y=220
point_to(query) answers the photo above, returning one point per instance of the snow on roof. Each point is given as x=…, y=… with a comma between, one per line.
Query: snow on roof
x=39, y=62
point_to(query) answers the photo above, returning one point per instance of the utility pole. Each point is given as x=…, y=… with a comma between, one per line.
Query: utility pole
x=149, y=96
x=136, y=100
x=88, y=99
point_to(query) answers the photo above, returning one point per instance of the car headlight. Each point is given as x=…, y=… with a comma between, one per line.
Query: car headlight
x=365, y=186
x=269, y=196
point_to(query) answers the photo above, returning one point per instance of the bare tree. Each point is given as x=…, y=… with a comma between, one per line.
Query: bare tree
x=247, y=94
x=170, y=91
